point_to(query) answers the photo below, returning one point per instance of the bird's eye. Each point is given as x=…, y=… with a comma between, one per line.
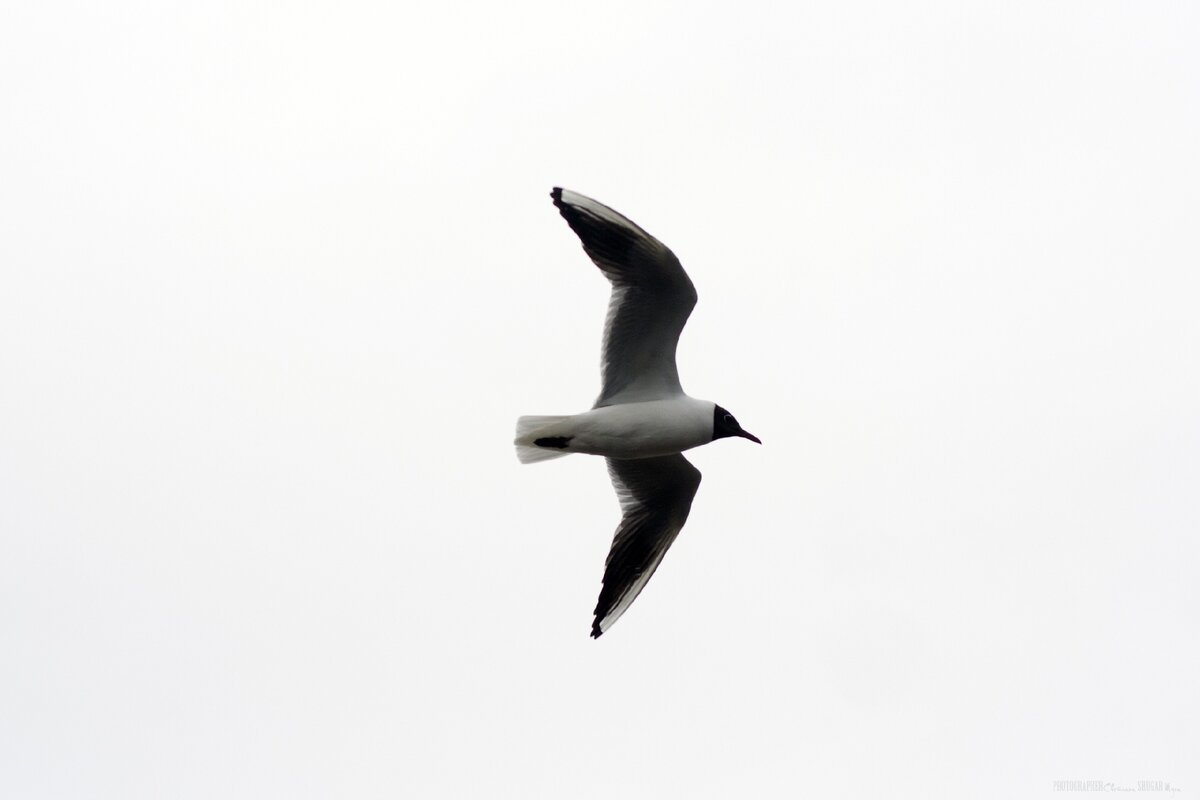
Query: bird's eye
x=729, y=420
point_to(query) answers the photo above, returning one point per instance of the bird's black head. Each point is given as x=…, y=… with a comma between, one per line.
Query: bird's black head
x=725, y=425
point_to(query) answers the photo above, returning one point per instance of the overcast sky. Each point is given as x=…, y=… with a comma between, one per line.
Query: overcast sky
x=277, y=279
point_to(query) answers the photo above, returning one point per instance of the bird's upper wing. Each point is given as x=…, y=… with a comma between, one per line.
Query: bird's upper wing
x=656, y=495
x=651, y=300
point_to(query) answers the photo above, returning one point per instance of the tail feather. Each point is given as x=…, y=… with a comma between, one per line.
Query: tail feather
x=527, y=428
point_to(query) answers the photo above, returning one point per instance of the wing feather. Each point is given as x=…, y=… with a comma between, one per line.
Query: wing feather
x=656, y=496
x=652, y=298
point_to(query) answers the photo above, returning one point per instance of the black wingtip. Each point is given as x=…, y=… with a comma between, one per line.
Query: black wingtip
x=556, y=194
x=596, y=629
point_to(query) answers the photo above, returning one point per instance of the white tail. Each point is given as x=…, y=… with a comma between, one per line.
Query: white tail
x=527, y=451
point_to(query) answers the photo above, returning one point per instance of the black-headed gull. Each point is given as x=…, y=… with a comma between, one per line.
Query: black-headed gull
x=642, y=420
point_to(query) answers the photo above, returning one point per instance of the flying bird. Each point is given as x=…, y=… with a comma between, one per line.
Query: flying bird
x=642, y=421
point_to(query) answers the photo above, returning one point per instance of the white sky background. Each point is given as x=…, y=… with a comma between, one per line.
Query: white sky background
x=277, y=280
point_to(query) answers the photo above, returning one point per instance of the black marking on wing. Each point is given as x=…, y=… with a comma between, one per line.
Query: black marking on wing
x=553, y=441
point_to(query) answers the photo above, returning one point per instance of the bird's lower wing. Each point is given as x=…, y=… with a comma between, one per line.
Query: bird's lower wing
x=656, y=495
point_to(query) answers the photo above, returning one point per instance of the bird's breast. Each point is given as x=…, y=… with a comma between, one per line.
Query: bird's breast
x=643, y=430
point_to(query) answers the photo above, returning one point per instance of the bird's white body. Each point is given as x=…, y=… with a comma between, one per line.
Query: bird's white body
x=628, y=430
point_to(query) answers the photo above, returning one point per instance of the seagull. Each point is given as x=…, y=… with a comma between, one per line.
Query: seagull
x=642, y=421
